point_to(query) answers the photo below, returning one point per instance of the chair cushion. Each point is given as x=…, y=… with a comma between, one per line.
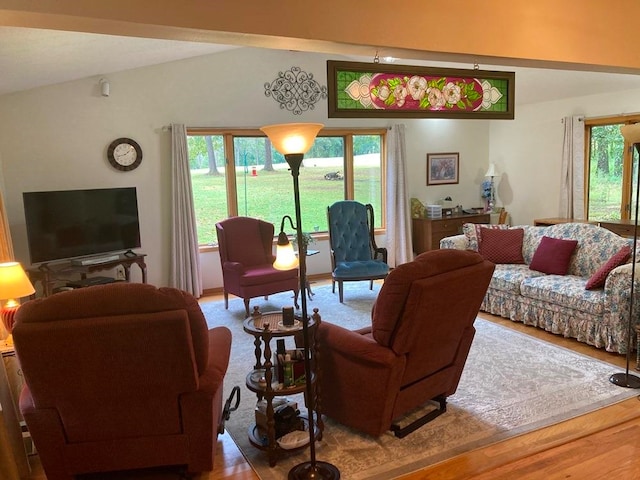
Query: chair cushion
x=502, y=246
x=553, y=255
x=363, y=268
x=598, y=279
x=262, y=274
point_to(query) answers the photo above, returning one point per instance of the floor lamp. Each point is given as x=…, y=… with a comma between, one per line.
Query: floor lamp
x=631, y=134
x=293, y=140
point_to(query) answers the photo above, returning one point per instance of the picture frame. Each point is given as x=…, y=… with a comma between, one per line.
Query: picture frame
x=443, y=168
x=376, y=90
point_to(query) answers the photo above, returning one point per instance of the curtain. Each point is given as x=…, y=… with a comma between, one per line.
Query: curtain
x=399, y=248
x=572, y=171
x=6, y=246
x=185, y=257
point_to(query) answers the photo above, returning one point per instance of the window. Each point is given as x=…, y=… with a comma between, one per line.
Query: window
x=611, y=172
x=237, y=172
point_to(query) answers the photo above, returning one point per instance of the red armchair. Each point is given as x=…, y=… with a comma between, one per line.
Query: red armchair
x=120, y=377
x=246, y=256
x=415, y=350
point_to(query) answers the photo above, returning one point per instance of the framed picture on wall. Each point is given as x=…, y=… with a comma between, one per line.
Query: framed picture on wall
x=442, y=168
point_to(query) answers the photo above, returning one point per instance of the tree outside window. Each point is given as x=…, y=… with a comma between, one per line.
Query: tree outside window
x=257, y=182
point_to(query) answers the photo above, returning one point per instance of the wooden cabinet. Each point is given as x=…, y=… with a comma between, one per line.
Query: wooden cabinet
x=50, y=275
x=427, y=232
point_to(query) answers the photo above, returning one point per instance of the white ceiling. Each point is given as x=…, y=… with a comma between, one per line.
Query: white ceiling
x=31, y=58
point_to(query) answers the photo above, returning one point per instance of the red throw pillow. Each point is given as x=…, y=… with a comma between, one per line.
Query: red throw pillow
x=502, y=246
x=597, y=279
x=553, y=256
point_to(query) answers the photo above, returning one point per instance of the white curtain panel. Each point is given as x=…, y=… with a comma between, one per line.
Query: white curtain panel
x=6, y=245
x=572, y=171
x=399, y=247
x=185, y=257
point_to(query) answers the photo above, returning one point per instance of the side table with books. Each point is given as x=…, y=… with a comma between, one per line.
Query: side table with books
x=274, y=379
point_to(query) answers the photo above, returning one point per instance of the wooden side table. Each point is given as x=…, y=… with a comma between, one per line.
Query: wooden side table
x=547, y=222
x=11, y=440
x=265, y=327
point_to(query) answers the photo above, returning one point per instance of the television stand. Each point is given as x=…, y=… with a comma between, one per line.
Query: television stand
x=48, y=274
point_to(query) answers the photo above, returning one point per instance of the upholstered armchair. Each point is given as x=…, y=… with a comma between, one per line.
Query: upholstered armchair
x=120, y=377
x=415, y=350
x=354, y=253
x=246, y=256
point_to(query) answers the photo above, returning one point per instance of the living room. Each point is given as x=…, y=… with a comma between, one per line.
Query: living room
x=64, y=129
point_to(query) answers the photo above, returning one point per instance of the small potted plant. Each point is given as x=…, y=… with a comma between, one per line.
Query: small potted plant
x=307, y=239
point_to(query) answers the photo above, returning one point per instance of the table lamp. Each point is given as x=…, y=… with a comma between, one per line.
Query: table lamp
x=491, y=173
x=286, y=258
x=293, y=140
x=14, y=284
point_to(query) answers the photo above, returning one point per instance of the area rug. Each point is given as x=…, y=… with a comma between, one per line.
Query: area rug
x=512, y=384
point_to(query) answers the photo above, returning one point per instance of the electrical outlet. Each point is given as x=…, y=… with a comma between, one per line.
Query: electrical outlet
x=120, y=272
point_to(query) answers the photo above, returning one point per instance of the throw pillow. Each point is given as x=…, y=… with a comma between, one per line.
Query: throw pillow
x=473, y=232
x=597, y=279
x=553, y=255
x=502, y=246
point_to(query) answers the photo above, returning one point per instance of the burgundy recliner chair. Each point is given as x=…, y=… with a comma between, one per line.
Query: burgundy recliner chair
x=120, y=377
x=246, y=257
x=415, y=350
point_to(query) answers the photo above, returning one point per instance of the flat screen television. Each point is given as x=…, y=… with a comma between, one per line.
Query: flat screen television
x=77, y=223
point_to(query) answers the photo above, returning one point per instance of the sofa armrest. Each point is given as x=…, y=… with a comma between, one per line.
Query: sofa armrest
x=617, y=290
x=456, y=242
x=354, y=346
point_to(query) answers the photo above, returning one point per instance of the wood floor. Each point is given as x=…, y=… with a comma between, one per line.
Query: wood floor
x=602, y=444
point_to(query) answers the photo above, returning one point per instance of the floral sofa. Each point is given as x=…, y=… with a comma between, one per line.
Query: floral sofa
x=560, y=303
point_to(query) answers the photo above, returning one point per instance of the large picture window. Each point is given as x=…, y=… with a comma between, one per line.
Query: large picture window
x=238, y=172
x=612, y=169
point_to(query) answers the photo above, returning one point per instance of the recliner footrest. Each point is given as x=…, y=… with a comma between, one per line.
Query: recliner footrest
x=402, y=432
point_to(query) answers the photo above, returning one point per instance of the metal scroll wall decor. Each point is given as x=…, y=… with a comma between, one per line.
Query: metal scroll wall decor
x=359, y=90
x=295, y=90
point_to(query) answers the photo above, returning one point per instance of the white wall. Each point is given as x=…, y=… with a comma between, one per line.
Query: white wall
x=529, y=150
x=56, y=138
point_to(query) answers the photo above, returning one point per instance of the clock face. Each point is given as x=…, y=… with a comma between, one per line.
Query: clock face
x=124, y=154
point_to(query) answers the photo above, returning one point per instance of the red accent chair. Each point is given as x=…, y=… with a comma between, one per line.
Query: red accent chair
x=415, y=350
x=246, y=256
x=120, y=377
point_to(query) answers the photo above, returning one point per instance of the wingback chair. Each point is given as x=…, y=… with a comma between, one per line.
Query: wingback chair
x=415, y=349
x=120, y=377
x=354, y=253
x=246, y=256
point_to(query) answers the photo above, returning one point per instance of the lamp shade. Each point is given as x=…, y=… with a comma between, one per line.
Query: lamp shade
x=14, y=283
x=631, y=133
x=288, y=138
x=491, y=172
x=286, y=258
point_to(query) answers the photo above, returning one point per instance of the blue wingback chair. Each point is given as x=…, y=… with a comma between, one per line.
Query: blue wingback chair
x=354, y=253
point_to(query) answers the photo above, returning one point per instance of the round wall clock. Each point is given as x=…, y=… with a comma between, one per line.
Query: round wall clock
x=124, y=154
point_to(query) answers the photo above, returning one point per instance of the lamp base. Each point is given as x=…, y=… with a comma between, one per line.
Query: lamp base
x=625, y=380
x=315, y=470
